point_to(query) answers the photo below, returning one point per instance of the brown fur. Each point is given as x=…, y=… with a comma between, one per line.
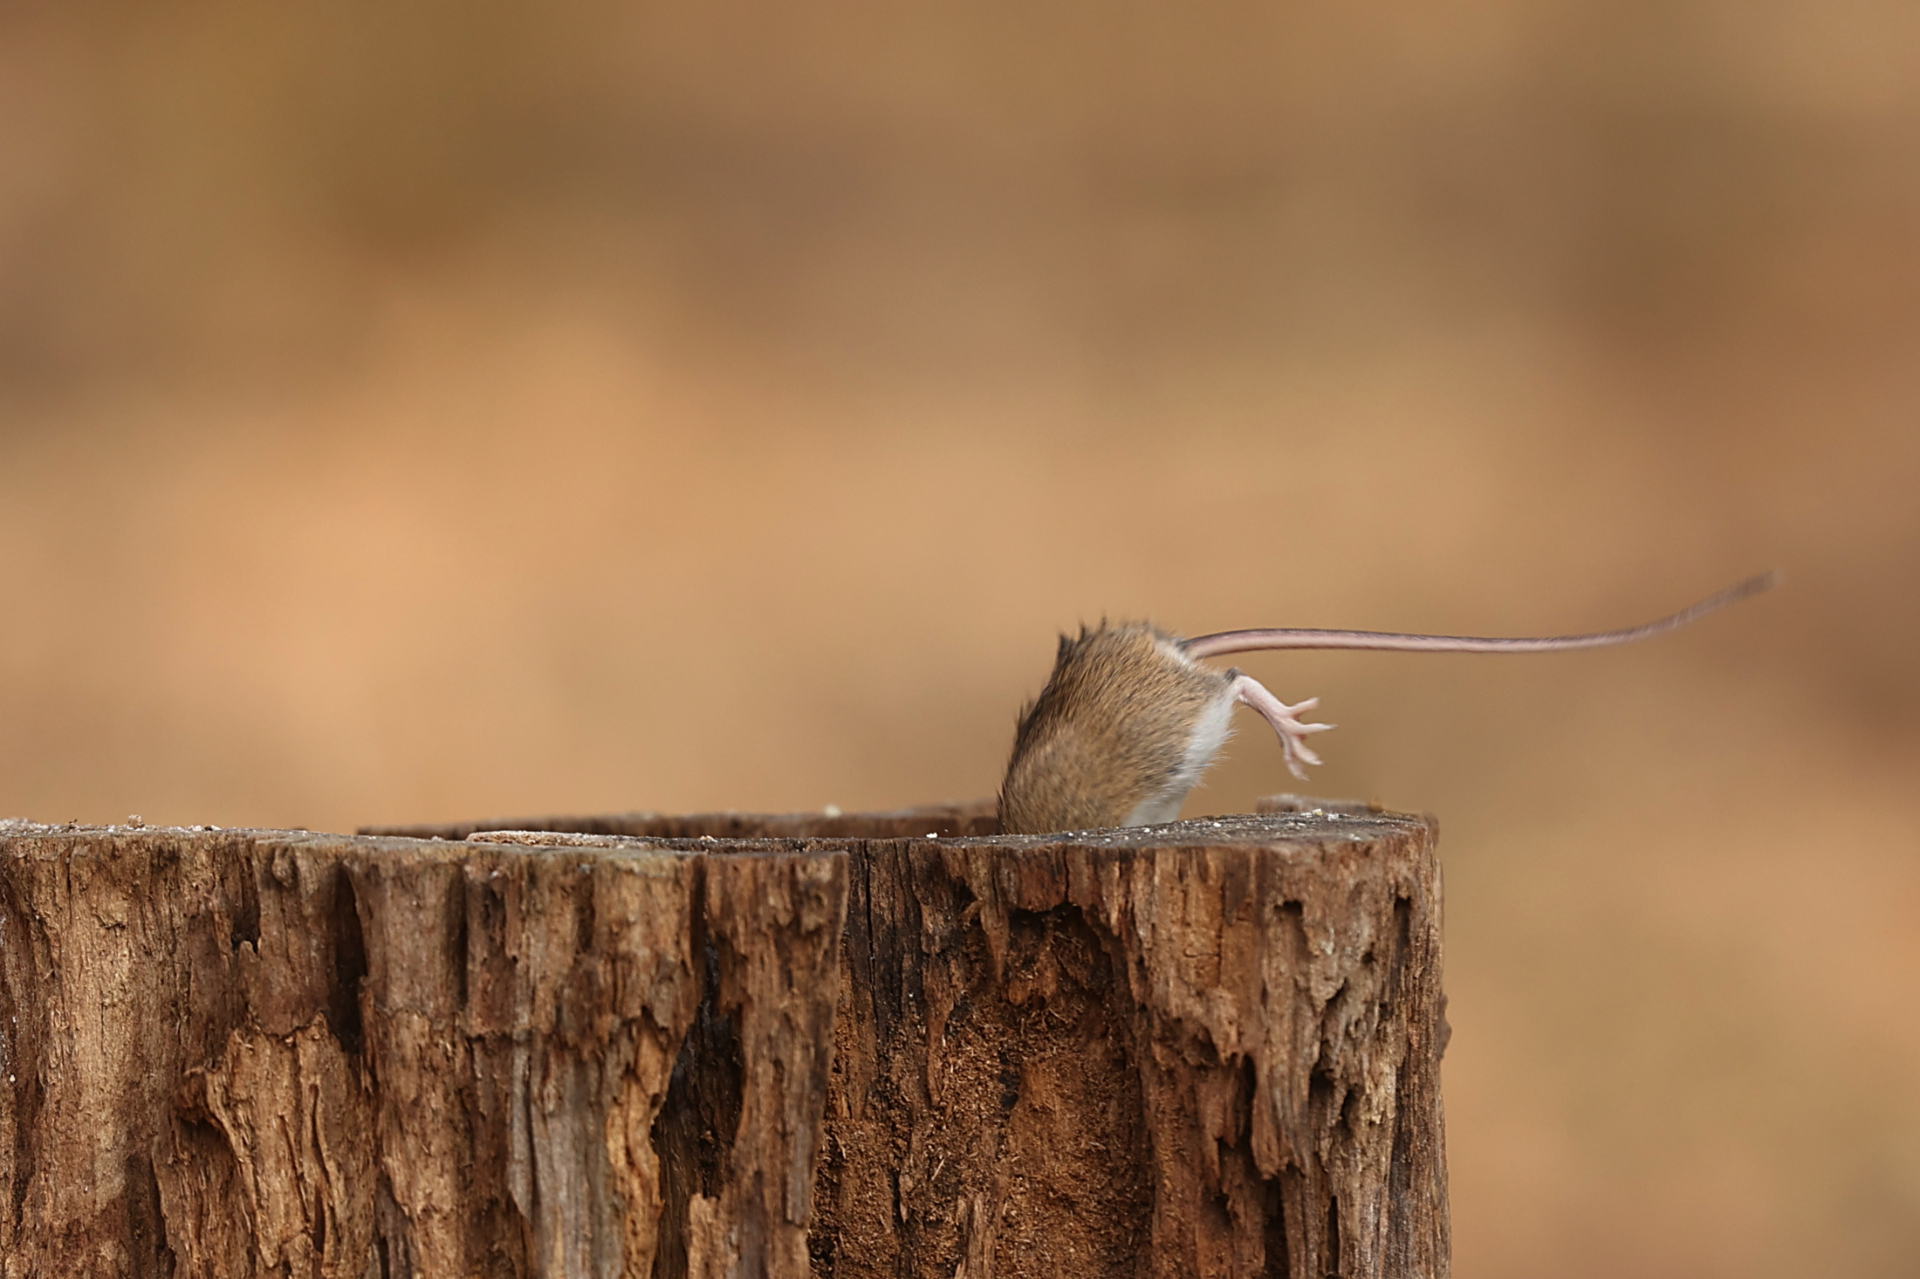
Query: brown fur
x=1108, y=732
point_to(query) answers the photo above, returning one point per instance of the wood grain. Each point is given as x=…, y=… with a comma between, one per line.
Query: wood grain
x=1206, y=1049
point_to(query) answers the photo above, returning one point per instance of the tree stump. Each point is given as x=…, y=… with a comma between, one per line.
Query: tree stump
x=859, y=1045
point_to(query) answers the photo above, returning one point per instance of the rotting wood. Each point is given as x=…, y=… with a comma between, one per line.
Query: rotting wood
x=1208, y=1049
x=1205, y=1049
x=271, y=1053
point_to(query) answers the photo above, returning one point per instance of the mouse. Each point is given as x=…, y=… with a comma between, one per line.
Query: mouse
x=1130, y=718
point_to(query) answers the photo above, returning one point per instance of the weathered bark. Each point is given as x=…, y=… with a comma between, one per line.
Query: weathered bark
x=253, y=1053
x=1202, y=1050
x=1208, y=1049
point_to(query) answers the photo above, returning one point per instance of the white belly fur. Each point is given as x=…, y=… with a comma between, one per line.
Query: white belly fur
x=1210, y=733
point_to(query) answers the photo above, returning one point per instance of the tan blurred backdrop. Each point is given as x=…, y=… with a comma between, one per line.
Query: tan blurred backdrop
x=441, y=410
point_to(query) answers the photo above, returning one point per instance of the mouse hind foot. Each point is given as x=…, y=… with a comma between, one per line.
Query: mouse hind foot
x=1248, y=691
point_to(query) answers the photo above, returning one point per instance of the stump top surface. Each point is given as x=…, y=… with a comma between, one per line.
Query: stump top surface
x=784, y=833
x=1240, y=828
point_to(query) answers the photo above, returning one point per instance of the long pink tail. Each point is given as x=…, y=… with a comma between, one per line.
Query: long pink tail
x=1224, y=642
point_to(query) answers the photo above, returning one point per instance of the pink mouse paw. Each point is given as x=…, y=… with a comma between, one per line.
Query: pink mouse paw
x=1249, y=691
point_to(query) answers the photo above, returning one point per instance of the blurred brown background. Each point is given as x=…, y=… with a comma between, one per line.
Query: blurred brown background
x=435, y=410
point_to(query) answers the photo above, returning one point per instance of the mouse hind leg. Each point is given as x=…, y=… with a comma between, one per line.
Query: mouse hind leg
x=1248, y=691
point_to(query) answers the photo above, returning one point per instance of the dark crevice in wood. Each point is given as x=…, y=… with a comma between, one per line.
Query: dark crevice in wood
x=348, y=946
x=1333, y=1237
x=244, y=920
x=583, y=914
x=1277, y=1262
x=146, y=1227
x=1402, y=947
x=694, y=1132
